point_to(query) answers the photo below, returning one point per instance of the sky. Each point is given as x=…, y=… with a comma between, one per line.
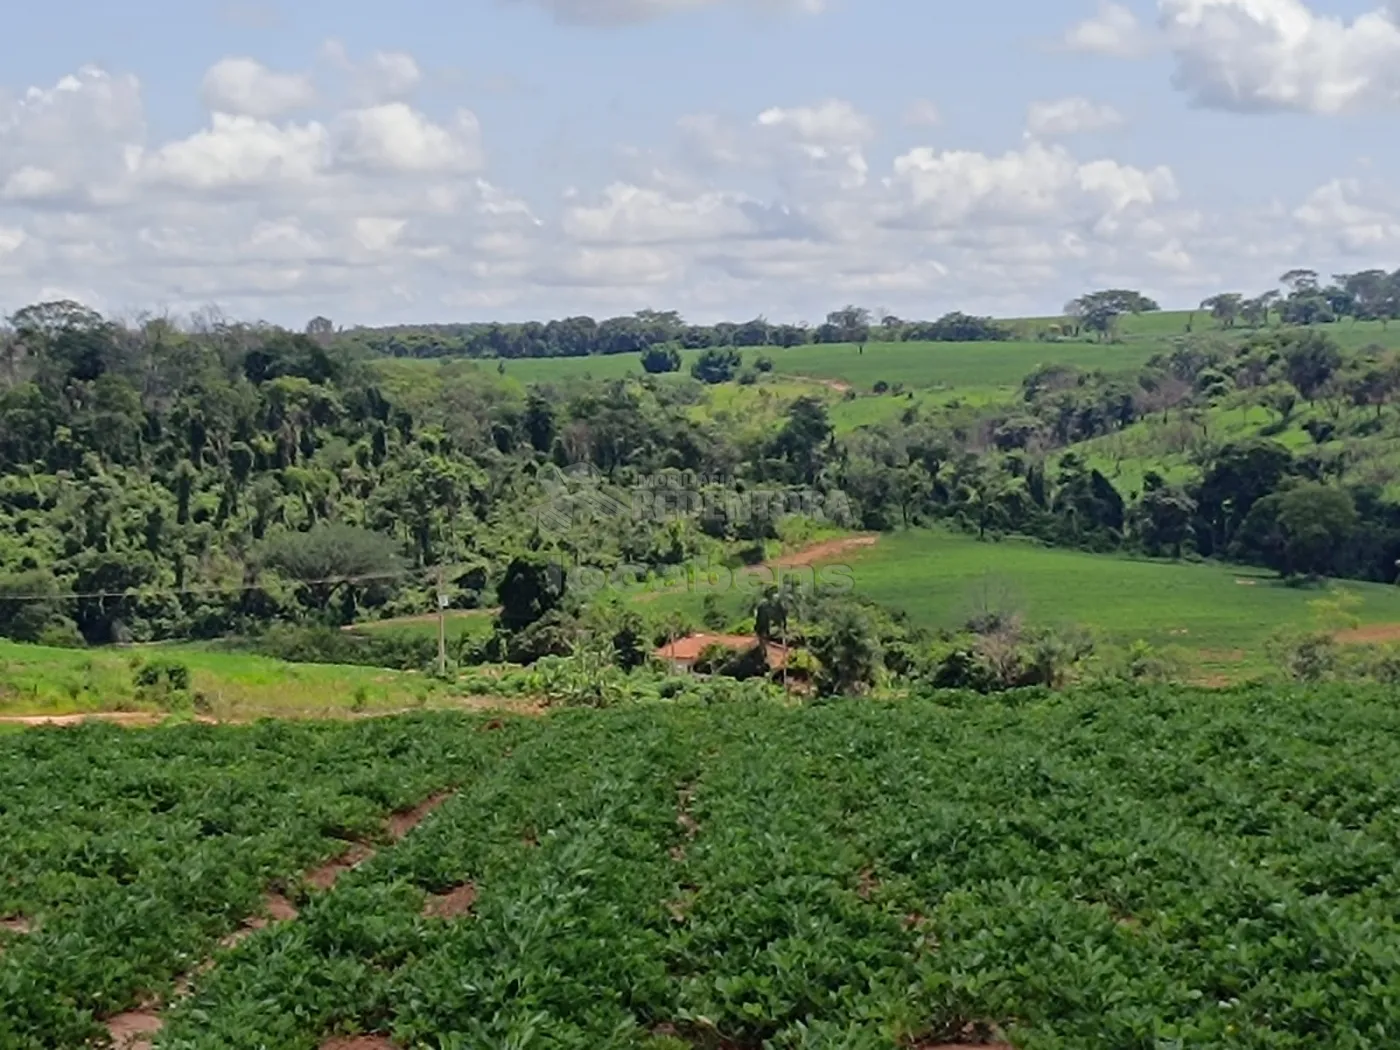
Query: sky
x=434, y=161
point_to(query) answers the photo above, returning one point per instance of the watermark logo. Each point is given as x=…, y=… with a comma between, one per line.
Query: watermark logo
x=581, y=495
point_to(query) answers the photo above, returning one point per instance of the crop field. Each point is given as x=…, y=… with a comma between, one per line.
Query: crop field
x=946, y=366
x=1128, y=869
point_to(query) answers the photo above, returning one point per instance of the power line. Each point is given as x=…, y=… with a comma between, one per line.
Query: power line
x=136, y=592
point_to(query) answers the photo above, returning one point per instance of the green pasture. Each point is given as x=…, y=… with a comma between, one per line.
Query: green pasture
x=476, y=623
x=38, y=680
x=943, y=366
x=1221, y=616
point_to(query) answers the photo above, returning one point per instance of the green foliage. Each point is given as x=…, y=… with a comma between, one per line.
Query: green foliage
x=717, y=366
x=1099, y=868
x=333, y=558
x=658, y=360
x=532, y=587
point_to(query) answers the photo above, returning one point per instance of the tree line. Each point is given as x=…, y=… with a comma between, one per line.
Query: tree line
x=646, y=329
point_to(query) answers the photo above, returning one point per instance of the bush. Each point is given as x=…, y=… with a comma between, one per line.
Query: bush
x=327, y=645
x=717, y=365
x=662, y=358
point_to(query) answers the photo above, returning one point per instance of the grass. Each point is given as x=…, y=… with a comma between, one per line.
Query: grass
x=476, y=623
x=1221, y=616
x=36, y=680
x=945, y=366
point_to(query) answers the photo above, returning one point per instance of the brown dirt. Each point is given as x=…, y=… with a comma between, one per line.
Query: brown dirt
x=813, y=555
x=1247, y=583
x=1213, y=681
x=820, y=552
x=400, y=824
x=134, y=1030
x=1371, y=634
x=326, y=876
x=687, y=823
x=134, y=719
x=688, y=650
x=1223, y=656
x=867, y=884
x=17, y=924
x=358, y=1042
x=453, y=904
x=276, y=908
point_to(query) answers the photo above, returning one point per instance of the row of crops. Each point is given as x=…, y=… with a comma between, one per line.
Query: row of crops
x=1152, y=870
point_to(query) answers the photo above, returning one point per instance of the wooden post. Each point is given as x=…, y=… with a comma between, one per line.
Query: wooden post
x=442, y=623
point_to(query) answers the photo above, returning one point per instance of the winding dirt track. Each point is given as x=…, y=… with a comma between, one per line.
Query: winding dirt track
x=822, y=552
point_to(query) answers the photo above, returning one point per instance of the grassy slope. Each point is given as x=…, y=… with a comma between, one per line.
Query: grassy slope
x=39, y=680
x=1220, y=615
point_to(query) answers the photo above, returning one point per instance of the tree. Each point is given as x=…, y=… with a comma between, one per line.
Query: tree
x=1299, y=530
x=1224, y=308
x=662, y=358
x=29, y=602
x=849, y=650
x=1241, y=474
x=1310, y=361
x=1162, y=517
x=803, y=436
x=532, y=587
x=850, y=324
x=331, y=559
x=1300, y=281
x=717, y=365
x=539, y=422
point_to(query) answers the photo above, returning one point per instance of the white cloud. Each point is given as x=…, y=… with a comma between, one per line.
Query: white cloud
x=381, y=213
x=386, y=76
x=245, y=87
x=922, y=113
x=1352, y=217
x=241, y=151
x=1259, y=55
x=1113, y=30
x=622, y=12
x=1037, y=184
x=829, y=137
x=629, y=214
x=397, y=138
x=69, y=140
x=831, y=123
x=1070, y=116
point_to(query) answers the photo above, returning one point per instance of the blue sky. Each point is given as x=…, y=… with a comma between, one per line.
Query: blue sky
x=521, y=158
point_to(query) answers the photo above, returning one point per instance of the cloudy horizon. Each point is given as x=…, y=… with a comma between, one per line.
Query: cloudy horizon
x=515, y=159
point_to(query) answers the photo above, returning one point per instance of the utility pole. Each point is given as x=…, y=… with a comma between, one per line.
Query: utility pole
x=442, y=622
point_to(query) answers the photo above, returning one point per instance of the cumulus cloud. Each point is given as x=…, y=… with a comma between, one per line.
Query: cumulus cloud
x=830, y=136
x=1259, y=55
x=1037, y=184
x=1113, y=30
x=396, y=137
x=71, y=139
x=241, y=151
x=1356, y=218
x=379, y=212
x=623, y=12
x=385, y=76
x=246, y=87
x=1070, y=116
